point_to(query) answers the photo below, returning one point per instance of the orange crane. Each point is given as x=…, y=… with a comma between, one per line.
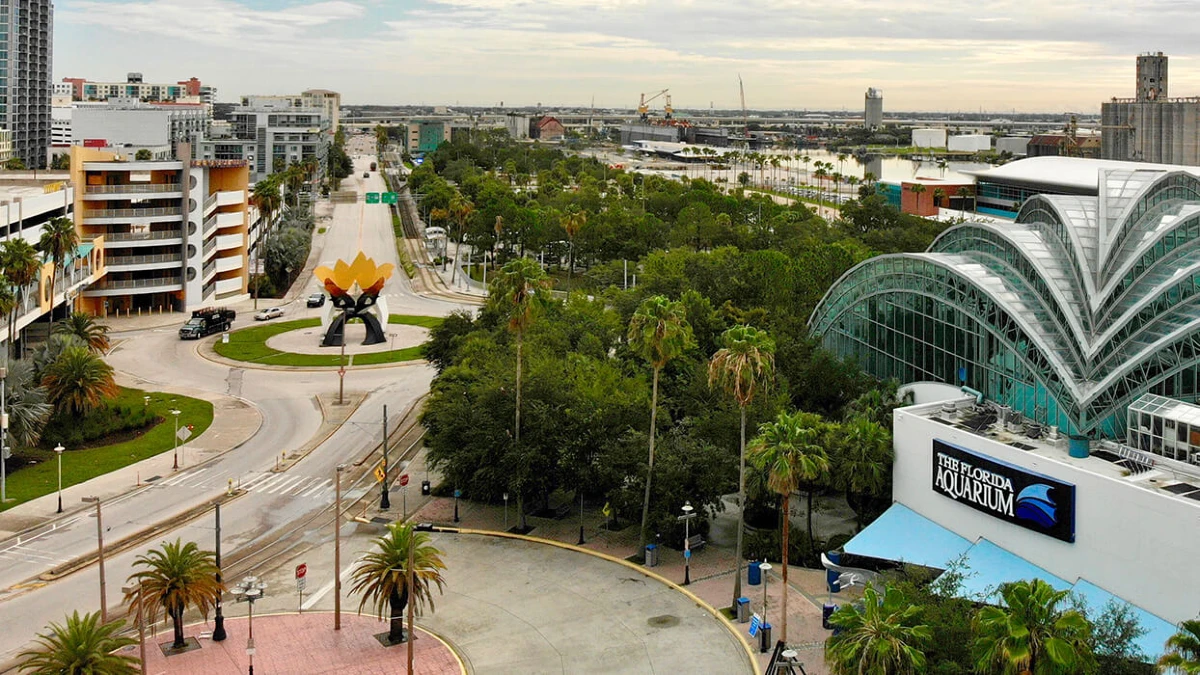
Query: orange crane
x=644, y=106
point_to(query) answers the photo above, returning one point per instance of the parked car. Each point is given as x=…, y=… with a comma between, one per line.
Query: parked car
x=316, y=300
x=366, y=174
x=269, y=313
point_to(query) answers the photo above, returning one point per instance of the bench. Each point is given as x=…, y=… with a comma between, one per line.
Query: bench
x=695, y=542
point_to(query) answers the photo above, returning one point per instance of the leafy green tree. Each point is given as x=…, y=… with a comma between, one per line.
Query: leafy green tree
x=15, y=164
x=143, y=155
x=658, y=332
x=21, y=268
x=742, y=368
x=883, y=636
x=78, y=381
x=81, y=646
x=59, y=240
x=789, y=451
x=60, y=163
x=517, y=292
x=572, y=223
x=863, y=465
x=284, y=256
x=1032, y=633
x=25, y=401
x=87, y=328
x=1115, y=635
x=172, y=578
x=1183, y=650
x=382, y=575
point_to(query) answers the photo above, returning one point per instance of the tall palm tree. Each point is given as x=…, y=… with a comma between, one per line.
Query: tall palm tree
x=499, y=229
x=78, y=381
x=25, y=403
x=789, y=450
x=572, y=223
x=461, y=209
x=1183, y=650
x=658, y=332
x=171, y=579
x=81, y=646
x=918, y=190
x=963, y=193
x=938, y=195
x=742, y=367
x=21, y=268
x=882, y=637
x=518, y=291
x=59, y=239
x=1033, y=633
x=265, y=196
x=864, y=461
x=382, y=575
x=87, y=328
x=8, y=307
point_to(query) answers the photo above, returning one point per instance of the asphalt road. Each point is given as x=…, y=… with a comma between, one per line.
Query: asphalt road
x=291, y=417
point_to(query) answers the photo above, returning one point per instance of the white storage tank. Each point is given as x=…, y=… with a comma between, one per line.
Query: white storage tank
x=970, y=143
x=929, y=138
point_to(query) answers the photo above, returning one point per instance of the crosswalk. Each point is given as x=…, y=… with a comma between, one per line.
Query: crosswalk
x=281, y=484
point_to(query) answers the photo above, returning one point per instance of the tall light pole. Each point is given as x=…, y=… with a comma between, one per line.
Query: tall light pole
x=250, y=589
x=764, y=568
x=218, y=633
x=385, y=502
x=688, y=514
x=100, y=558
x=58, y=450
x=175, y=413
x=337, y=549
x=141, y=626
x=3, y=436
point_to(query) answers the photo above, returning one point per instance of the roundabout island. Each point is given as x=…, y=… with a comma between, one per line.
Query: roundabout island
x=297, y=344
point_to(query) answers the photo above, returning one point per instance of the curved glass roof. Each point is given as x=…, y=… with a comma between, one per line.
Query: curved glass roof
x=1106, y=289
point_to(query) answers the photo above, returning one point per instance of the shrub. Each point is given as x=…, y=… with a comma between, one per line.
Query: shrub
x=78, y=432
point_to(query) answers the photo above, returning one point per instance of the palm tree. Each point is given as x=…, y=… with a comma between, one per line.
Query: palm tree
x=1032, y=633
x=78, y=381
x=499, y=228
x=1183, y=650
x=26, y=404
x=864, y=461
x=918, y=190
x=517, y=292
x=265, y=196
x=963, y=193
x=882, y=637
x=8, y=306
x=789, y=450
x=938, y=195
x=21, y=268
x=59, y=240
x=81, y=646
x=572, y=223
x=86, y=327
x=742, y=368
x=461, y=209
x=658, y=332
x=382, y=575
x=173, y=578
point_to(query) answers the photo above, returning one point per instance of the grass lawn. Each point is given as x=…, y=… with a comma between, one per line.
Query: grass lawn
x=39, y=479
x=250, y=344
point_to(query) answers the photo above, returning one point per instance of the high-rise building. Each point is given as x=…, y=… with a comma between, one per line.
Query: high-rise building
x=270, y=132
x=1151, y=127
x=26, y=46
x=873, y=112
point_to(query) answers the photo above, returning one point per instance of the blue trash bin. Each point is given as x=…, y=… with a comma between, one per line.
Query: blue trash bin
x=831, y=577
x=764, y=634
x=827, y=611
x=651, y=555
x=743, y=610
x=754, y=573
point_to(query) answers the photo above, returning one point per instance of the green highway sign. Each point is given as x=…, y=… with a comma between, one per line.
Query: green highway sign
x=372, y=197
x=391, y=197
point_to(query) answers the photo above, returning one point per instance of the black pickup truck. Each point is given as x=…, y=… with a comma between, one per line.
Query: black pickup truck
x=206, y=322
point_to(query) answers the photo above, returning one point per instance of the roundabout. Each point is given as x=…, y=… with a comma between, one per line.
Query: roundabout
x=296, y=344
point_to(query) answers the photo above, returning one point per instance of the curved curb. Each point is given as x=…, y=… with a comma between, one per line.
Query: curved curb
x=751, y=657
x=205, y=351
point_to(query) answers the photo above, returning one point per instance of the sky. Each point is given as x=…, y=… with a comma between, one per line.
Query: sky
x=926, y=55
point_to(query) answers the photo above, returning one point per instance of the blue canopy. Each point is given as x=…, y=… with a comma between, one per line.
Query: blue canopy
x=988, y=566
x=904, y=535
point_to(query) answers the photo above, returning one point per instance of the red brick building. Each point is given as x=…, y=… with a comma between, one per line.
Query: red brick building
x=547, y=129
x=926, y=202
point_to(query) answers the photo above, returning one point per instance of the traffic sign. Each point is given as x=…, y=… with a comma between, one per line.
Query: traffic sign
x=403, y=480
x=301, y=570
x=380, y=474
x=458, y=493
x=301, y=584
x=391, y=197
x=372, y=197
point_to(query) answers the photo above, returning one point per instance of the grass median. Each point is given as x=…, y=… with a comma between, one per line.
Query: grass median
x=250, y=345
x=79, y=465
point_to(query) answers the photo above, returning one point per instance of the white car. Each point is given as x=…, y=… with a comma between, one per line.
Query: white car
x=269, y=313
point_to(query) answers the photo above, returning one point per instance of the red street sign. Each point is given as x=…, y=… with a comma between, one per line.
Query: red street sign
x=301, y=570
x=342, y=370
x=403, y=480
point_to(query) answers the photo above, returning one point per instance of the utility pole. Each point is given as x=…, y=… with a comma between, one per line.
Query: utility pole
x=385, y=502
x=3, y=436
x=411, y=597
x=337, y=549
x=219, y=624
x=100, y=561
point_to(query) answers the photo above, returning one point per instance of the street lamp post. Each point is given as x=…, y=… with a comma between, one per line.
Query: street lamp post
x=3, y=437
x=218, y=633
x=385, y=502
x=688, y=514
x=141, y=625
x=457, y=494
x=100, y=558
x=175, y=413
x=581, y=541
x=337, y=549
x=506, y=512
x=764, y=568
x=250, y=589
x=58, y=450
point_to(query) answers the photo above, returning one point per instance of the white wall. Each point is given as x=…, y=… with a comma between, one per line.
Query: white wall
x=121, y=127
x=970, y=143
x=929, y=138
x=1138, y=543
x=1017, y=145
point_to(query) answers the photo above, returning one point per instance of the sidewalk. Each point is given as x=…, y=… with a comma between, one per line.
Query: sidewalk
x=300, y=643
x=235, y=421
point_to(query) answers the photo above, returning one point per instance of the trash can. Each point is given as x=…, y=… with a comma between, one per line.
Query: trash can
x=425, y=488
x=827, y=611
x=743, y=610
x=832, y=576
x=754, y=573
x=764, y=634
x=651, y=555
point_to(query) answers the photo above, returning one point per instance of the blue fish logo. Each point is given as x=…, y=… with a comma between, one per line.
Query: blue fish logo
x=1034, y=504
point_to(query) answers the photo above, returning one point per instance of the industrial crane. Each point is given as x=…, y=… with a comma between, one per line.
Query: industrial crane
x=667, y=109
x=644, y=106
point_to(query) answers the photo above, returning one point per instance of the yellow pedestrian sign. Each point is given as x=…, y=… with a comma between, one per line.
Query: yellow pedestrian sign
x=607, y=510
x=380, y=474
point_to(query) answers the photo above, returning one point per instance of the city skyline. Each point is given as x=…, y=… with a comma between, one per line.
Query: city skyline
x=792, y=54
